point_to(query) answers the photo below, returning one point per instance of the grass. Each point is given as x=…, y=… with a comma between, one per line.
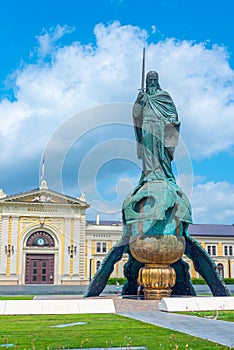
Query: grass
x=17, y=297
x=219, y=315
x=101, y=330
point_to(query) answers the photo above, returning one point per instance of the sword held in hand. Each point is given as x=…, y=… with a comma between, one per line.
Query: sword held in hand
x=143, y=72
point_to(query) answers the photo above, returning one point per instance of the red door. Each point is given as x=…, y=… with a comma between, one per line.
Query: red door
x=39, y=269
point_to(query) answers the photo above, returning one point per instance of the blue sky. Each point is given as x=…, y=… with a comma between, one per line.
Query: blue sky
x=59, y=59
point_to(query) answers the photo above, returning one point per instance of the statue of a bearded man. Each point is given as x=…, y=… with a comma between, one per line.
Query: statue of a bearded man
x=156, y=129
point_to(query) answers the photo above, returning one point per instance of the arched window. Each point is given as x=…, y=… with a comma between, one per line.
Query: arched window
x=40, y=239
x=98, y=263
x=220, y=269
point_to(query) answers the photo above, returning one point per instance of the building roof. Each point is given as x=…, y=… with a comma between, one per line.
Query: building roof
x=105, y=222
x=213, y=230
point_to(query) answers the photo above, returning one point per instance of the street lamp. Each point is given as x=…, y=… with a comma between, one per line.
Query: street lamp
x=90, y=269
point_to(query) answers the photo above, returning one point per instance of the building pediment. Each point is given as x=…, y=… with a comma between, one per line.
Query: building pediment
x=44, y=196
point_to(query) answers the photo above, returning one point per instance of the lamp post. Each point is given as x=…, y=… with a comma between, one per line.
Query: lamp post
x=9, y=250
x=90, y=269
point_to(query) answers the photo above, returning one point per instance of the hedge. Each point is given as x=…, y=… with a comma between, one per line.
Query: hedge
x=112, y=281
x=229, y=280
x=202, y=281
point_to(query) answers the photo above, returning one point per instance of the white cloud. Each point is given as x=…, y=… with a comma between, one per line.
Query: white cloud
x=153, y=28
x=67, y=78
x=201, y=82
x=78, y=76
x=11, y=114
x=212, y=202
x=48, y=39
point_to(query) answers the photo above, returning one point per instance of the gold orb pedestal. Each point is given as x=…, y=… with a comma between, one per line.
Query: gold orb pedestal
x=157, y=281
x=157, y=253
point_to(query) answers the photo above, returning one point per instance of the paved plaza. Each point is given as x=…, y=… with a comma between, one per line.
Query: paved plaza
x=220, y=332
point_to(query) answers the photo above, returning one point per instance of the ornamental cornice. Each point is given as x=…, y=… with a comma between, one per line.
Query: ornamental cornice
x=47, y=204
x=44, y=196
x=20, y=208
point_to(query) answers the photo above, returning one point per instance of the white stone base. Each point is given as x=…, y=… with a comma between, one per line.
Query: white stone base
x=12, y=280
x=56, y=307
x=196, y=304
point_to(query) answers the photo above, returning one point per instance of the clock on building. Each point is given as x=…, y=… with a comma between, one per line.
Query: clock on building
x=40, y=241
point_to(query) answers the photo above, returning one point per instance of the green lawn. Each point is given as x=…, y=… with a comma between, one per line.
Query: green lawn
x=220, y=315
x=17, y=297
x=109, y=330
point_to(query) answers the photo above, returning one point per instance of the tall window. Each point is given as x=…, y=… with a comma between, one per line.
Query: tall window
x=101, y=247
x=98, y=247
x=98, y=263
x=211, y=249
x=104, y=247
x=220, y=270
x=228, y=250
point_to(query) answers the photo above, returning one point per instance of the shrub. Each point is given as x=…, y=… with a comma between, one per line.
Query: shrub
x=112, y=281
x=229, y=280
x=198, y=281
x=202, y=281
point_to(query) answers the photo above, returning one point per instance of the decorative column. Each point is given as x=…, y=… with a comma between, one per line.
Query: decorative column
x=14, y=243
x=71, y=248
x=82, y=249
x=8, y=247
x=76, y=249
x=67, y=231
x=3, y=242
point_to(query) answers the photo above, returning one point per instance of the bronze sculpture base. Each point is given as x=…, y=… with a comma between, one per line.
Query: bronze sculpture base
x=157, y=253
x=156, y=281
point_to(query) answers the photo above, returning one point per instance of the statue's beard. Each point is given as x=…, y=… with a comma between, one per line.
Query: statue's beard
x=152, y=90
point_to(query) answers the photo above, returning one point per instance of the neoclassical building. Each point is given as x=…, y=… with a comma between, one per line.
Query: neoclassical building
x=45, y=239
x=42, y=238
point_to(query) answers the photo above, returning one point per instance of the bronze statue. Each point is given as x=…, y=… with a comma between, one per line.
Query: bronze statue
x=156, y=213
x=156, y=127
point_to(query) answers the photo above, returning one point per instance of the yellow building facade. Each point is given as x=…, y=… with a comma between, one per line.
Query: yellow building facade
x=218, y=241
x=45, y=239
x=100, y=238
x=42, y=238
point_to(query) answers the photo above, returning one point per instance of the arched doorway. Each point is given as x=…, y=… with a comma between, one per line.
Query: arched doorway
x=39, y=260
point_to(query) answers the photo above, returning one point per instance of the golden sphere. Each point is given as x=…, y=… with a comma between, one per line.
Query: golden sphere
x=157, y=249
